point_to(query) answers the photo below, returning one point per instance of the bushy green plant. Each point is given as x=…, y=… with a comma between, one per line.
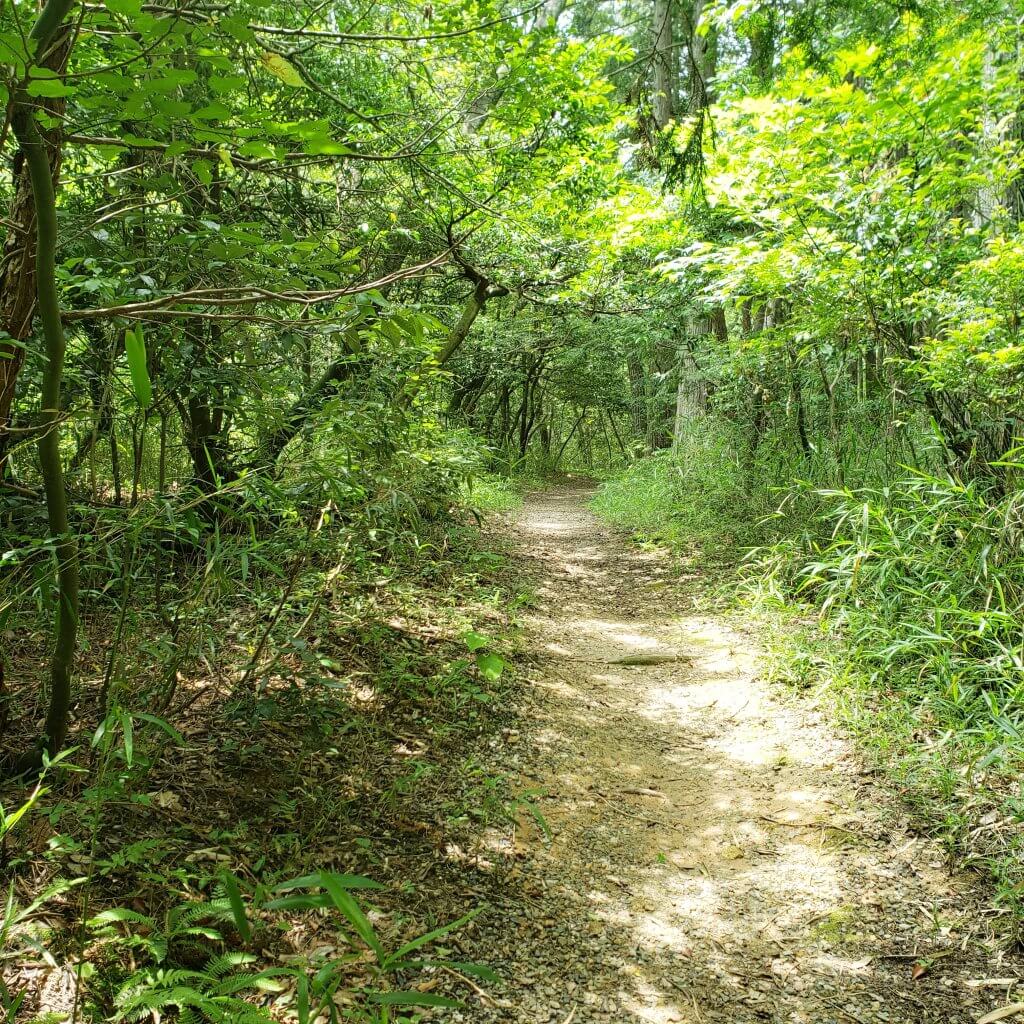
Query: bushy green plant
x=926, y=581
x=212, y=994
x=492, y=492
x=919, y=590
x=215, y=992
x=702, y=492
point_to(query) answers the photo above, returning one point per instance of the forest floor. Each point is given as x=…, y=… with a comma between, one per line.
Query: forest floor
x=718, y=852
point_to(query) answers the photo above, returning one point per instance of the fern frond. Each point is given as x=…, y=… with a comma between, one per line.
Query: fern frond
x=186, y=914
x=179, y=996
x=150, y=980
x=221, y=966
x=243, y=982
x=158, y=947
x=122, y=915
x=200, y=930
x=235, y=1011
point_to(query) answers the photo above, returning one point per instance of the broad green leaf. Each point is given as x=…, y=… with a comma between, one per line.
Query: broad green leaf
x=474, y=641
x=282, y=68
x=49, y=87
x=129, y=8
x=203, y=171
x=326, y=147
x=490, y=666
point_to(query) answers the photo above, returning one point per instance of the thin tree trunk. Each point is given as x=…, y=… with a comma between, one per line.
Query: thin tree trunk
x=36, y=153
x=568, y=438
x=663, y=97
x=691, y=389
x=297, y=416
x=638, y=397
x=618, y=437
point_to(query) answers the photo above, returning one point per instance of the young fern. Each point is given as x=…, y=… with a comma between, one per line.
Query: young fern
x=207, y=995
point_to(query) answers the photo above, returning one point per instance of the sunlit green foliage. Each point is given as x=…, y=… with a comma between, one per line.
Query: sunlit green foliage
x=335, y=280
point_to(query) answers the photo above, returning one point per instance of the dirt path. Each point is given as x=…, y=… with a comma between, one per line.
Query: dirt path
x=718, y=854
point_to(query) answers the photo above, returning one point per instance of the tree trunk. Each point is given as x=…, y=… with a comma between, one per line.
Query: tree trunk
x=691, y=390
x=663, y=95
x=18, y=260
x=568, y=438
x=703, y=50
x=37, y=156
x=762, y=45
x=692, y=387
x=482, y=292
x=637, y=397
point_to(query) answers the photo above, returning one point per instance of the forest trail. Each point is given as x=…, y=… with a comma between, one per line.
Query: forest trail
x=718, y=853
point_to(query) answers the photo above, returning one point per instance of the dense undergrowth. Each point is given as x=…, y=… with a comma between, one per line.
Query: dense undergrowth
x=693, y=497
x=281, y=773
x=900, y=606
x=919, y=596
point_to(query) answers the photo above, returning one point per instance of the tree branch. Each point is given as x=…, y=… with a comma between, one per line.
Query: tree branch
x=248, y=295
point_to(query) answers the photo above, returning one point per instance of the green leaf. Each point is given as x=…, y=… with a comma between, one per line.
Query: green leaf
x=213, y=111
x=300, y=901
x=474, y=641
x=326, y=147
x=161, y=724
x=48, y=87
x=234, y=894
x=431, y=936
x=491, y=666
x=534, y=812
x=118, y=915
x=129, y=8
x=302, y=999
x=347, y=904
x=475, y=970
x=202, y=170
x=347, y=881
x=129, y=737
x=8, y=821
x=283, y=69
x=135, y=350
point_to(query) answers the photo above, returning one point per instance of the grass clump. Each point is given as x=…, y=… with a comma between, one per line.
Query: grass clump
x=700, y=496
x=918, y=596
x=489, y=491
x=492, y=492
